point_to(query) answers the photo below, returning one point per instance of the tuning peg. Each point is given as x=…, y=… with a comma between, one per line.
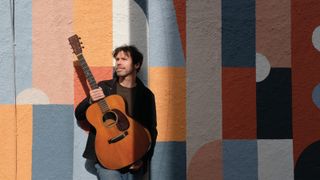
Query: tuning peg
x=82, y=47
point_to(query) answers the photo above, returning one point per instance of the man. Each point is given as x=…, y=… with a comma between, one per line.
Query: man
x=140, y=105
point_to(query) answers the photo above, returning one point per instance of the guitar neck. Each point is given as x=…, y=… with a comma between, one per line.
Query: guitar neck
x=92, y=82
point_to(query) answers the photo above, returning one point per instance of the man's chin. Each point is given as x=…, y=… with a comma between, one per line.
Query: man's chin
x=120, y=74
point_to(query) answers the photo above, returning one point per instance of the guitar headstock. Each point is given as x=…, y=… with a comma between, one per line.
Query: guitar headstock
x=75, y=44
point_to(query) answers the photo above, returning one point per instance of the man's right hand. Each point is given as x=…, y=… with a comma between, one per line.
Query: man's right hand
x=96, y=94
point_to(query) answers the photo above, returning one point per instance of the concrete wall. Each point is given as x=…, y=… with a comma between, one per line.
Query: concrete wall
x=236, y=84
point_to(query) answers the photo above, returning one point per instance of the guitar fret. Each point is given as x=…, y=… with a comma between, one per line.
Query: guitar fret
x=103, y=106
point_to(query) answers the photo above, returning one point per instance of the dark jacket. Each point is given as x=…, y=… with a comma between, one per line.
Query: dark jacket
x=144, y=112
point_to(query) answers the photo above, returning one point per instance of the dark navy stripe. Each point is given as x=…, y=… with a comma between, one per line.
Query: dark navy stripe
x=238, y=33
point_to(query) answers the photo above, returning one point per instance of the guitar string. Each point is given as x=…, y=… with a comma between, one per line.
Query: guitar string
x=12, y=18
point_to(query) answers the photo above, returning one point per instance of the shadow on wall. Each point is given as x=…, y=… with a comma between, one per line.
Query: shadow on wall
x=169, y=160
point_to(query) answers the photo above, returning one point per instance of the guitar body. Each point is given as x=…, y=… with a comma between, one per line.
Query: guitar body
x=120, y=141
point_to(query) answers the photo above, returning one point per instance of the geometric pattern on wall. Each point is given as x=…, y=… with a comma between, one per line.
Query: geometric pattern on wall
x=270, y=88
x=257, y=80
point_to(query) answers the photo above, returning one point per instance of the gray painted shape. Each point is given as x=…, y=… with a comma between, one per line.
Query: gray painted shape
x=52, y=149
x=165, y=47
x=139, y=36
x=23, y=27
x=240, y=160
x=204, y=113
x=275, y=159
x=143, y=5
x=7, y=76
x=169, y=161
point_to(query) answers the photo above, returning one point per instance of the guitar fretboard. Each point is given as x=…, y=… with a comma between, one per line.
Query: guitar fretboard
x=92, y=82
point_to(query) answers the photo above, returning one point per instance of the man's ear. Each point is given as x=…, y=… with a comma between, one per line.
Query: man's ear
x=136, y=66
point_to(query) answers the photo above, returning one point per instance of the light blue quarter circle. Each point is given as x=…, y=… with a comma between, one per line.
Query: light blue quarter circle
x=316, y=96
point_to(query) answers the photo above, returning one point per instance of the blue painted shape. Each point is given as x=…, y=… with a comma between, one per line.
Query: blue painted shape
x=143, y=5
x=7, y=90
x=316, y=96
x=52, y=150
x=164, y=37
x=240, y=160
x=169, y=161
x=23, y=32
x=238, y=33
x=83, y=169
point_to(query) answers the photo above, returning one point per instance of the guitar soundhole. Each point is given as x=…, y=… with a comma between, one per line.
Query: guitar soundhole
x=109, y=119
x=123, y=123
x=116, y=117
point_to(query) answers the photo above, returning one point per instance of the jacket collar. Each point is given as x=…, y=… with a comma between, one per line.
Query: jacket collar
x=115, y=79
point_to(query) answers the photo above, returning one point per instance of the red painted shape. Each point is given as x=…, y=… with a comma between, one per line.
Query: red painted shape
x=180, y=7
x=239, y=103
x=305, y=17
x=81, y=88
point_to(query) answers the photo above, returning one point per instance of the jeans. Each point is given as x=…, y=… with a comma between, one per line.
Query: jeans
x=107, y=174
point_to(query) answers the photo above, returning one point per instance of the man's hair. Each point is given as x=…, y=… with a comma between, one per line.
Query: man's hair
x=136, y=55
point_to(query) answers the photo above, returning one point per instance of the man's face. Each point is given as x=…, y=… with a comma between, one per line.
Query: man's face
x=124, y=64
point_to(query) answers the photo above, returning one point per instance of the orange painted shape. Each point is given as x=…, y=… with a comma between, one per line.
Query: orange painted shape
x=24, y=139
x=8, y=142
x=81, y=87
x=239, y=103
x=169, y=86
x=52, y=56
x=93, y=23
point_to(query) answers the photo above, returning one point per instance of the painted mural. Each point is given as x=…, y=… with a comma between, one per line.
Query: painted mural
x=236, y=85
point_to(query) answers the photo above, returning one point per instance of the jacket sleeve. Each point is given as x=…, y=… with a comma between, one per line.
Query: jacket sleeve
x=152, y=127
x=80, y=111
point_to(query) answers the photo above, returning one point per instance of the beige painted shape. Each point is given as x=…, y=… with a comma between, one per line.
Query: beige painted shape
x=204, y=69
x=32, y=96
x=273, y=31
x=52, y=66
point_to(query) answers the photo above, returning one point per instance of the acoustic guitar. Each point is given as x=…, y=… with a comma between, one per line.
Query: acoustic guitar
x=120, y=140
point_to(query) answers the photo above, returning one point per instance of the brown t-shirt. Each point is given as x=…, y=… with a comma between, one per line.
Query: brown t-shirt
x=128, y=95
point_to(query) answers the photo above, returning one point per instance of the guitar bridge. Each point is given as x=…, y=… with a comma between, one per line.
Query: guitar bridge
x=118, y=138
